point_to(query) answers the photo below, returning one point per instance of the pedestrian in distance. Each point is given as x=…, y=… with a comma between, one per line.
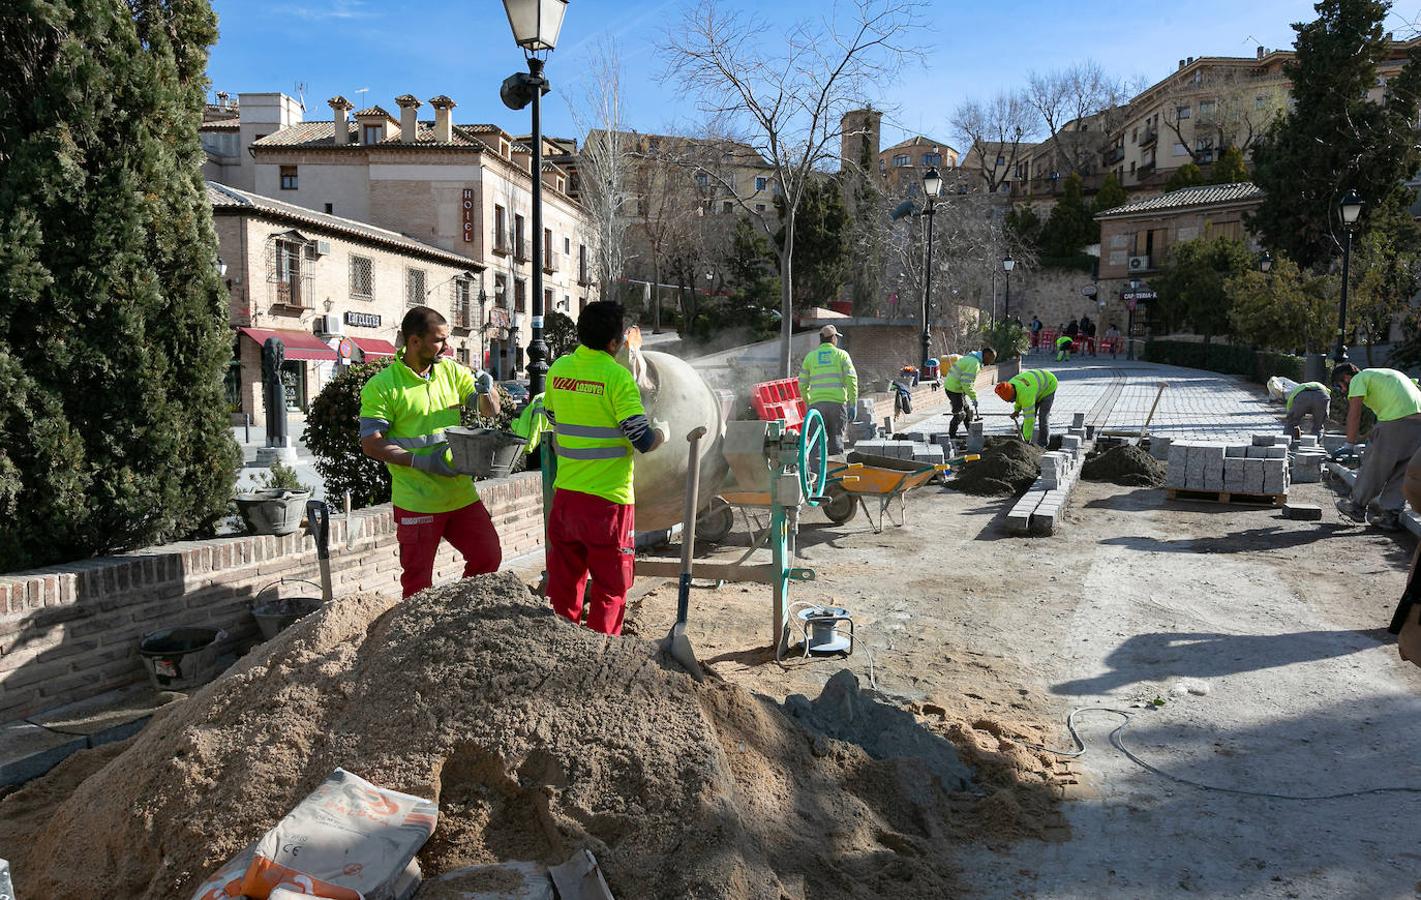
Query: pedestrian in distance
x=404, y=411
x=1396, y=401
x=1036, y=327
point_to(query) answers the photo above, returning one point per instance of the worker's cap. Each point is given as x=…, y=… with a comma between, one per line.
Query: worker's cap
x=1006, y=390
x=827, y=332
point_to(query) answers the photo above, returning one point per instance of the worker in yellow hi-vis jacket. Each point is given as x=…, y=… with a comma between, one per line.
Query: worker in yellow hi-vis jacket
x=829, y=384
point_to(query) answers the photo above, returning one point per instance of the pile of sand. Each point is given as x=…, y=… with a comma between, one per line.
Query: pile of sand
x=1125, y=465
x=1008, y=466
x=536, y=738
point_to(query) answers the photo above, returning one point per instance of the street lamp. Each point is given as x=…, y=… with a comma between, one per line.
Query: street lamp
x=1265, y=262
x=1130, y=322
x=1007, y=265
x=535, y=25
x=1351, y=209
x=932, y=189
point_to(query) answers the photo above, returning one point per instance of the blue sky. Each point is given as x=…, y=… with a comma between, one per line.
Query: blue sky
x=463, y=48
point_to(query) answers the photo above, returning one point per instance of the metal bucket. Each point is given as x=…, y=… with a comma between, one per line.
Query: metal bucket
x=484, y=452
x=271, y=511
x=180, y=659
x=275, y=614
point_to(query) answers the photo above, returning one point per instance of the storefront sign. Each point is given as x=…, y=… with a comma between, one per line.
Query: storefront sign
x=362, y=320
x=467, y=208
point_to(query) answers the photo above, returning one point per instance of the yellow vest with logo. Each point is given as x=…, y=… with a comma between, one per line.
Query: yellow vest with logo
x=417, y=410
x=962, y=377
x=827, y=376
x=588, y=395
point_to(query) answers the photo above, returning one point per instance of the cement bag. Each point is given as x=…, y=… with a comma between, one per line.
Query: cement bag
x=1279, y=388
x=226, y=882
x=348, y=840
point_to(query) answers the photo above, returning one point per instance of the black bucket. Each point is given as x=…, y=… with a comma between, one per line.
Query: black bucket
x=180, y=659
x=484, y=452
x=275, y=614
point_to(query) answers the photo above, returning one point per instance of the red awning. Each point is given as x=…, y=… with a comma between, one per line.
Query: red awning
x=374, y=346
x=299, y=344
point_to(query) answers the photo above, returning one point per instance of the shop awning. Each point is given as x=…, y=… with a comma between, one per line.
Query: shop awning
x=299, y=344
x=374, y=346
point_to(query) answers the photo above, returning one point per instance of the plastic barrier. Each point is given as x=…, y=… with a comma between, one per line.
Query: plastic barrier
x=779, y=400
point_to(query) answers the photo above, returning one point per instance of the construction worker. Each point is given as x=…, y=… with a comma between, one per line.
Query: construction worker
x=595, y=410
x=404, y=410
x=1308, y=399
x=530, y=423
x=1396, y=401
x=961, y=386
x=828, y=383
x=1032, y=392
x=1063, y=346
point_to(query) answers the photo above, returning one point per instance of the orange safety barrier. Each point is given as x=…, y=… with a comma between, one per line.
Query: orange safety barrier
x=779, y=400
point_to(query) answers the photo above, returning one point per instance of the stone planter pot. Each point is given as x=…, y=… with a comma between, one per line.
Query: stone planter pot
x=272, y=511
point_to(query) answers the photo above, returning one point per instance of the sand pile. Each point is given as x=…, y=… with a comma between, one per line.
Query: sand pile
x=536, y=738
x=1008, y=466
x=1125, y=465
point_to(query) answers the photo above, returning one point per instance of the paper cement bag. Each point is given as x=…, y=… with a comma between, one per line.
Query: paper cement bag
x=348, y=840
x=226, y=882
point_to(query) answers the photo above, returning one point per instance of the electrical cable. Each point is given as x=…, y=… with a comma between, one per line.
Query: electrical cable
x=1117, y=741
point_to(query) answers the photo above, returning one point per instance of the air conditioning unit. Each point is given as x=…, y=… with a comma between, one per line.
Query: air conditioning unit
x=1139, y=263
x=329, y=325
x=323, y=248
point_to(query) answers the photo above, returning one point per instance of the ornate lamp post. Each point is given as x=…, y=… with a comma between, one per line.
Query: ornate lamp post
x=1265, y=262
x=535, y=25
x=1351, y=209
x=1007, y=265
x=932, y=189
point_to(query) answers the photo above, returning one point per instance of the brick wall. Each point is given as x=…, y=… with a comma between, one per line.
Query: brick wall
x=72, y=632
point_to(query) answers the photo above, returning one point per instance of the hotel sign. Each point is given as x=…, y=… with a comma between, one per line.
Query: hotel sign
x=467, y=211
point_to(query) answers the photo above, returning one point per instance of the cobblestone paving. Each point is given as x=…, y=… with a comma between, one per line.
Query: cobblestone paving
x=1118, y=394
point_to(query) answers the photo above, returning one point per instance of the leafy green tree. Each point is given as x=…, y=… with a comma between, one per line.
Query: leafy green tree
x=1286, y=309
x=1186, y=176
x=1110, y=195
x=1070, y=226
x=1383, y=275
x=1334, y=137
x=1025, y=226
x=1191, y=286
x=1229, y=169
x=821, y=245
x=561, y=334
x=114, y=431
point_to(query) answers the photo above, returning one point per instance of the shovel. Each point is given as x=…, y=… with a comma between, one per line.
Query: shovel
x=677, y=643
x=318, y=515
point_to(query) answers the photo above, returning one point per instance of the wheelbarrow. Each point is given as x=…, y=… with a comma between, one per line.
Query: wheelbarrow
x=884, y=479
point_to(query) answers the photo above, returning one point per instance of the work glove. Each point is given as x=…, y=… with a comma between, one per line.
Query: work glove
x=434, y=464
x=663, y=428
x=1347, y=449
x=483, y=383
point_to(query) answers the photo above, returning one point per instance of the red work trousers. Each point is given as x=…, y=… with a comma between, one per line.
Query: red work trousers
x=469, y=529
x=588, y=534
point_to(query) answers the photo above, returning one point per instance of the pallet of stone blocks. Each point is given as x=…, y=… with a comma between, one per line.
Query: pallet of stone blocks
x=1255, y=473
x=1308, y=460
x=1040, y=509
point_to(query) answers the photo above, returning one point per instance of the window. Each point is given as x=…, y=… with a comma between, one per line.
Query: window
x=1260, y=102
x=414, y=287
x=566, y=303
x=288, y=178
x=362, y=278
x=1207, y=108
x=372, y=134
x=761, y=182
x=500, y=229
x=547, y=300
x=726, y=206
x=932, y=159
x=1132, y=167
x=702, y=180
x=500, y=289
x=1134, y=135
x=1001, y=160
x=567, y=245
x=547, y=246
x=330, y=208
x=582, y=264
x=900, y=160
x=520, y=295
x=1179, y=150
x=1182, y=112
x=460, y=305
x=520, y=247
x=759, y=207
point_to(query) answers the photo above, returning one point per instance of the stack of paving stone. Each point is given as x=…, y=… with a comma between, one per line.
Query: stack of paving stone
x=1260, y=468
x=1308, y=458
x=918, y=451
x=1040, y=509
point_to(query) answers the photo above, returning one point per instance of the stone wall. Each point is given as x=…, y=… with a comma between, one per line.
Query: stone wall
x=72, y=632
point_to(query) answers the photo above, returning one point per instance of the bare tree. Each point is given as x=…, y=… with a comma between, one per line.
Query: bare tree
x=996, y=134
x=604, y=163
x=786, y=103
x=1217, y=107
x=1074, y=105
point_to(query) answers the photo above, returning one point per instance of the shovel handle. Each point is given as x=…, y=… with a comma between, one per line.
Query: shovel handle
x=688, y=521
x=319, y=517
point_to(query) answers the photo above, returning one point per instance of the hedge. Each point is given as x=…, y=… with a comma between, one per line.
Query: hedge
x=1231, y=359
x=1081, y=262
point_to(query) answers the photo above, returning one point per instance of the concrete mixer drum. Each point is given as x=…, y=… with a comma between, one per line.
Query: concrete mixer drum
x=682, y=398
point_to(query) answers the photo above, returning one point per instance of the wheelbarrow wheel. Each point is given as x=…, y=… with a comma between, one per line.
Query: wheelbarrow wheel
x=840, y=505
x=715, y=524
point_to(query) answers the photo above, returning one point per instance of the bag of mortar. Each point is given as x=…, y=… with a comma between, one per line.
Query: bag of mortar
x=348, y=840
x=1279, y=388
x=226, y=882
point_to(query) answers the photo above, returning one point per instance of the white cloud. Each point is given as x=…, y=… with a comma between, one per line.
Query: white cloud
x=332, y=10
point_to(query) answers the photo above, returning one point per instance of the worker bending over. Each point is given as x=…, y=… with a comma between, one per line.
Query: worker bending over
x=1063, y=347
x=404, y=410
x=1032, y=392
x=595, y=411
x=1308, y=399
x=1396, y=401
x=961, y=385
x=829, y=384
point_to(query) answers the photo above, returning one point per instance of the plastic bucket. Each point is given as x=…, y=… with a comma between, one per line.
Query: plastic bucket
x=180, y=659
x=276, y=615
x=484, y=452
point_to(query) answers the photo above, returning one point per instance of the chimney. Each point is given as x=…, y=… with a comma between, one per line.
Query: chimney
x=1181, y=64
x=339, y=107
x=1191, y=60
x=222, y=99
x=1262, y=52
x=409, y=118
x=443, y=118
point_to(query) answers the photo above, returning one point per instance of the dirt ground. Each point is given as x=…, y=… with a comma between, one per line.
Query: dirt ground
x=1276, y=626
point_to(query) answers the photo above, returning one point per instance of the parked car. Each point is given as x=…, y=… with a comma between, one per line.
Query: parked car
x=516, y=389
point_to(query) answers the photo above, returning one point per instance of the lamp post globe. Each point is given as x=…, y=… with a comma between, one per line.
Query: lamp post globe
x=1265, y=262
x=535, y=23
x=1007, y=265
x=1351, y=209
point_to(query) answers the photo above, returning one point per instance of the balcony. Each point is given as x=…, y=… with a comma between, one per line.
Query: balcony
x=1144, y=171
x=550, y=262
x=1114, y=155
x=500, y=245
x=1149, y=137
x=462, y=318
x=292, y=295
x=583, y=277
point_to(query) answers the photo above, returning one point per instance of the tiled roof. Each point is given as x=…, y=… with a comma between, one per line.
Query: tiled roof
x=322, y=134
x=231, y=200
x=1205, y=195
x=373, y=111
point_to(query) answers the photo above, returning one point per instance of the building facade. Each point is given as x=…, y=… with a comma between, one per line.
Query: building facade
x=333, y=290
x=903, y=165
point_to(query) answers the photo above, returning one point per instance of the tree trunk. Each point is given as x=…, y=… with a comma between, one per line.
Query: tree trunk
x=787, y=298
x=655, y=294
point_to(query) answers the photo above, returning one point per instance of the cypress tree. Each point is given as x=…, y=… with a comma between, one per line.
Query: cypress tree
x=114, y=429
